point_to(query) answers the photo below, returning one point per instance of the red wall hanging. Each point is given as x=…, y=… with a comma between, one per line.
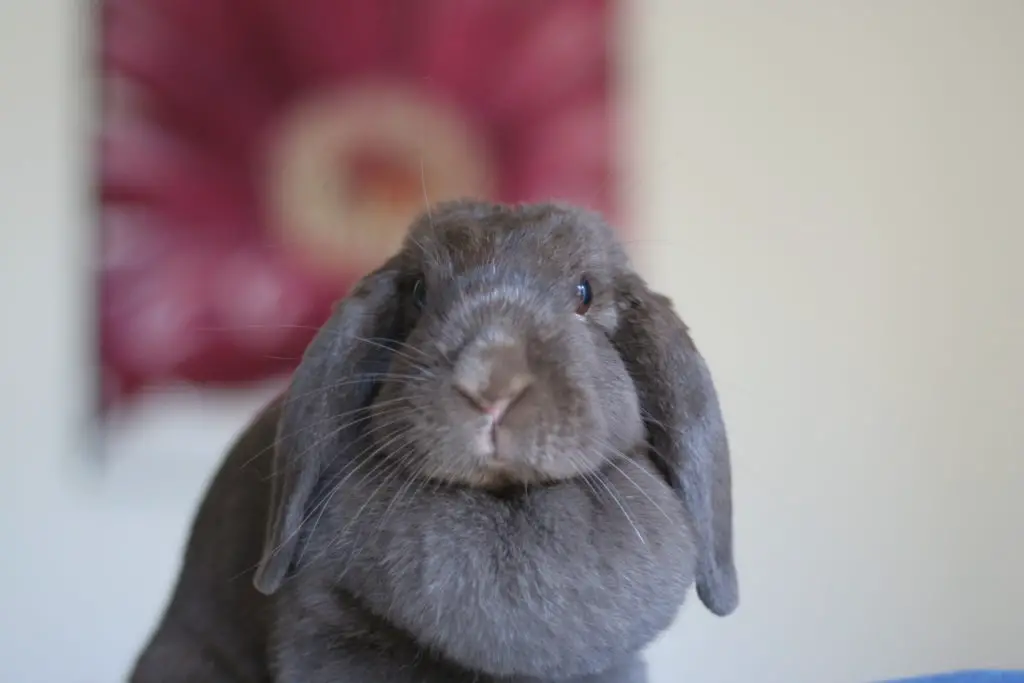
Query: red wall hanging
x=258, y=156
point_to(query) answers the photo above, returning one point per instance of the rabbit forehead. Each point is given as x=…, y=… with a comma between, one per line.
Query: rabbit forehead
x=541, y=239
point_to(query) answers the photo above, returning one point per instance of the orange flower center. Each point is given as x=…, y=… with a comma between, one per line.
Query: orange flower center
x=379, y=177
x=351, y=169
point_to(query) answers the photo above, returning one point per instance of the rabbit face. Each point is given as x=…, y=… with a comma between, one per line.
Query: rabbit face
x=507, y=374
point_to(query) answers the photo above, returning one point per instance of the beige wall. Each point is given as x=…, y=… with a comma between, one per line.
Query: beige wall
x=834, y=195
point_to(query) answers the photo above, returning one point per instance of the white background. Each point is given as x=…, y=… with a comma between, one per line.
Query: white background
x=832, y=192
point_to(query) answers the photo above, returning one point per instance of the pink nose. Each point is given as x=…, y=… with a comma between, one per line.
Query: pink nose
x=492, y=377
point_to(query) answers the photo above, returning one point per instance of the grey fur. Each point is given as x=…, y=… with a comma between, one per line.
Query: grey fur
x=358, y=533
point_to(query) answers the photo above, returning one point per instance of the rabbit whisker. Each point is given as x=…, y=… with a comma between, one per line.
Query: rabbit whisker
x=615, y=498
x=353, y=466
x=363, y=378
x=335, y=484
x=621, y=506
x=387, y=476
x=404, y=488
x=647, y=417
x=397, y=416
x=416, y=362
x=403, y=345
x=640, y=490
x=385, y=469
x=585, y=477
x=424, y=481
x=333, y=432
x=336, y=487
x=308, y=427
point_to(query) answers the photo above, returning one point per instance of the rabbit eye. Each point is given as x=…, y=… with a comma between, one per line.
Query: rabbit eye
x=585, y=296
x=419, y=293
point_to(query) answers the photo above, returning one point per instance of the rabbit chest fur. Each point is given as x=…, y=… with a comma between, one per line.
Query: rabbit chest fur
x=558, y=581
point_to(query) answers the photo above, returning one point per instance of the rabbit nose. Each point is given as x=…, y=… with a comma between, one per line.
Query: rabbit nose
x=492, y=378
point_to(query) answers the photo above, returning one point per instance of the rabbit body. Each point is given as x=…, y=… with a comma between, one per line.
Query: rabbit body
x=219, y=628
x=488, y=467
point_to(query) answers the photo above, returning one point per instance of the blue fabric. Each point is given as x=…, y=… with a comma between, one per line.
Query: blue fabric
x=968, y=677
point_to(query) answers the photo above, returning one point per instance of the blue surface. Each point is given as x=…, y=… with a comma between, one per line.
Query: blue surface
x=968, y=677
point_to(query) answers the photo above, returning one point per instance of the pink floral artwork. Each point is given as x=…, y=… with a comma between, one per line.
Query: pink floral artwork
x=256, y=157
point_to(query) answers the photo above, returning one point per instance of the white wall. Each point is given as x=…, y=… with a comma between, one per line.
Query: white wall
x=834, y=194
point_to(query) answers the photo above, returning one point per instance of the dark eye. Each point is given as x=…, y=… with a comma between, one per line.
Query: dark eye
x=585, y=295
x=419, y=293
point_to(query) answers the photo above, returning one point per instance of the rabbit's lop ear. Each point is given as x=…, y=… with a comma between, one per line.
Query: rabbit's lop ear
x=685, y=430
x=321, y=411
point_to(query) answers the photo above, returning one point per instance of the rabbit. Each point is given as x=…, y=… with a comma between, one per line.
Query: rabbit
x=501, y=459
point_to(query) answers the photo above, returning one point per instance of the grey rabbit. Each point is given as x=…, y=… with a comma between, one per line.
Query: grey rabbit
x=502, y=459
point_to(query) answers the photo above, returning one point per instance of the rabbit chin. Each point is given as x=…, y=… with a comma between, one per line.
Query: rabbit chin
x=500, y=474
x=503, y=476
x=494, y=461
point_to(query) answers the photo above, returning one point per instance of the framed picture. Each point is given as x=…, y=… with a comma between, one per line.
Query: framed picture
x=256, y=157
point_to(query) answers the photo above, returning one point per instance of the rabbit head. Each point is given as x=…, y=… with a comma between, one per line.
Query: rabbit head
x=507, y=347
